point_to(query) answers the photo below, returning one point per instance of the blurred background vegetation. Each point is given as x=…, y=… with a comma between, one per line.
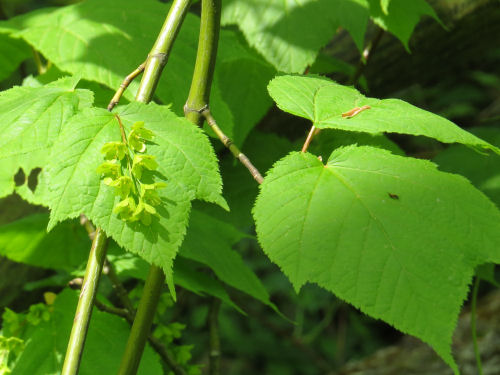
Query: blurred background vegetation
x=453, y=72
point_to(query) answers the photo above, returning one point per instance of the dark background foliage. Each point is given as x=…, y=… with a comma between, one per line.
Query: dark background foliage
x=453, y=72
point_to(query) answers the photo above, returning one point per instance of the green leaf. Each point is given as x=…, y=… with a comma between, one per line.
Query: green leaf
x=381, y=232
x=185, y=159
x=209, y=241
x=400, y=16
x=27, y=241
x=30, y=121
x=14, y=51
x=482, y=170
x=288, y=33
x=323, y=102
x=186, y=275
x=77, y=39
x=105, y=343
x=487, y=273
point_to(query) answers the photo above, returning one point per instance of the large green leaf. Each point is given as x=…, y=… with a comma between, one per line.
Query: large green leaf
x=30, y=121
x=209, y=241
x=391, y=235
x=104, y=346
x=400, y=16
x=289, y=33
x=482, y=170
x=323, y=102
x=27, y=241
x=186, y=161
x=104, y=40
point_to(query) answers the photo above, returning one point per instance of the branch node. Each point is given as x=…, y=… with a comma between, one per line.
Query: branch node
x=200, y=111
x=161, y=56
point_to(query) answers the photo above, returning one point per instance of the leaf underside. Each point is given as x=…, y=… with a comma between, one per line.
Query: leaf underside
x=284, y=31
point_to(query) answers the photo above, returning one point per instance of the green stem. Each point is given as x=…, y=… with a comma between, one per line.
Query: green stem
x=156, y=278
x=85, y=304
x=142, y=322
x=38, y=62
x=161, y=49
x=197, y=108
x=475, y=291
x=201, y=83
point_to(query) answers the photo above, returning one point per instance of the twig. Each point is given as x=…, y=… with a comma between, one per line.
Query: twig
x=226, y=141
x=366, y=55
x=123, y=86
x=213, y=326
x=165, y=355
x=122, y=313
x=85, y=304
x=85, y=222
x=309, y=138
x=118, y=287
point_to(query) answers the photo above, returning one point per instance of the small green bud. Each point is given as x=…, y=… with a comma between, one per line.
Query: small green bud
x=144, y=212
x=138, y=136
x=149, y=193
x=109, y=169
x=114, y=150
x=142, y=162
x=125, y=208
x=123, y=185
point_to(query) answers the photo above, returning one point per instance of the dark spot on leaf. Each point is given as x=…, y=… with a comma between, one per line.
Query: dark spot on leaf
x=20, y=177
x=33, y=179
x=393, y=196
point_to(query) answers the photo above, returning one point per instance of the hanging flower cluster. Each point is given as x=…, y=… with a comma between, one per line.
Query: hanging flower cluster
x=125, y=163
